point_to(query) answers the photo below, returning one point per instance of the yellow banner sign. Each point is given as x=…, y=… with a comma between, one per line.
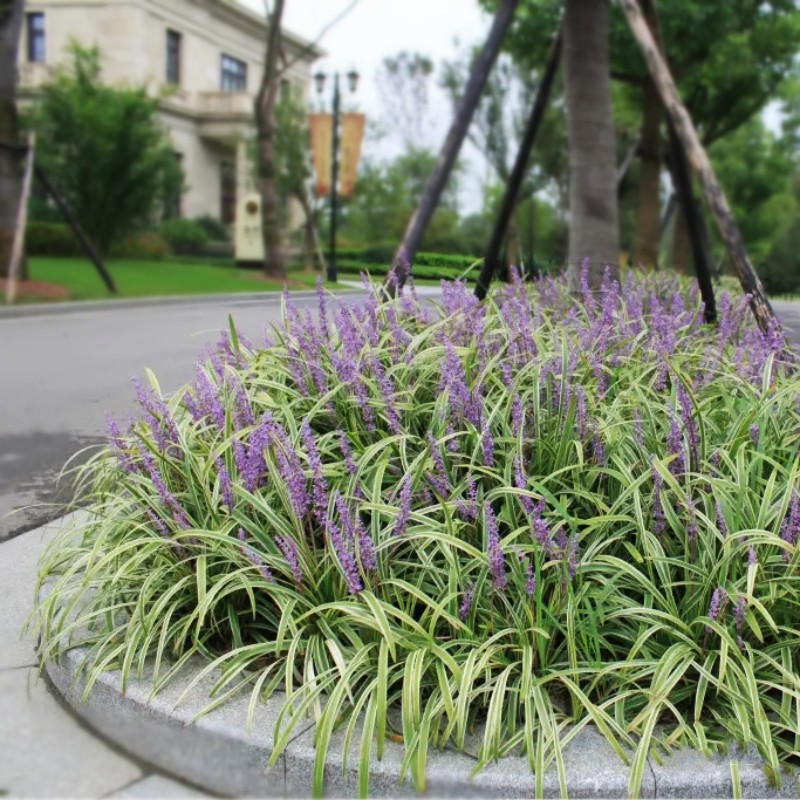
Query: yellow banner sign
x=352, y=136
x=321, y=127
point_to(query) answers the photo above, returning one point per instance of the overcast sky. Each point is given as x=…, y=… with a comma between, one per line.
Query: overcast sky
x=375, y=29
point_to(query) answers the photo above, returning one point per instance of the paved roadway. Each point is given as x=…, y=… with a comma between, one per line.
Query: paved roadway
x=62, y=369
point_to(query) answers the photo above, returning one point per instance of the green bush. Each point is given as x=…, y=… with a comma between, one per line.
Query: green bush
x=146, y=246
x=494, y=523
x=185, y=236
x=50, y=239
x=215, y=230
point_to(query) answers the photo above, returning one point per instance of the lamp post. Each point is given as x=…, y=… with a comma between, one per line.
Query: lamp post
x=319, y=79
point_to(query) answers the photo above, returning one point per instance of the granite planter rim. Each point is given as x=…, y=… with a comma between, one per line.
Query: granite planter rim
x=218, y=752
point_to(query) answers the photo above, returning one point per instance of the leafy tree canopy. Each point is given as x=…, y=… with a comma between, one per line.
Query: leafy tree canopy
x=729, y=57
x=105, y=150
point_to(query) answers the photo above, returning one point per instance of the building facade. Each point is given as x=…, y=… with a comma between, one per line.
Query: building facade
x=204, y=56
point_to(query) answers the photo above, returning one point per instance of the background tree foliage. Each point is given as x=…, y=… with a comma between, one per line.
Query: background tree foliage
x=105, y=150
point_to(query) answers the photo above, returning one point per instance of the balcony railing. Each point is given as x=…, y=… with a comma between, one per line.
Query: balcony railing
x=33, y=74
x=225, y=104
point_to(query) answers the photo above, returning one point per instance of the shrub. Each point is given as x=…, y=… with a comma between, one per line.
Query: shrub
x=142, y=247
x=50, y=239
x=185, y=236
x=215, y=230
x=515, y=518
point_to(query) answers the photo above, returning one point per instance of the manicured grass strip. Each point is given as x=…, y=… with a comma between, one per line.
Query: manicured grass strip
x=156, y=278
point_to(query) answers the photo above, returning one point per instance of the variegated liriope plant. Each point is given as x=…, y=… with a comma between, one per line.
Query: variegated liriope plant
x=511, y=519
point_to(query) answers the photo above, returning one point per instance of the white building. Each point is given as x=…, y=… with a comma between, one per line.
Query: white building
x=208, y=53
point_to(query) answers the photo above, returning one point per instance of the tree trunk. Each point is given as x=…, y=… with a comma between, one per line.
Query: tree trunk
x=594, y=228
x=681, y=251
x=10, y=159
x=698, y=158
x=648, y=223
x=512, y=242
x=308, y=232
x=437, y=180
x=265, y=123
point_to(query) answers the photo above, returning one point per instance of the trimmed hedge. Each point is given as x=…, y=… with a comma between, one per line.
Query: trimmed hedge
x=185, y=236
x=50, y=239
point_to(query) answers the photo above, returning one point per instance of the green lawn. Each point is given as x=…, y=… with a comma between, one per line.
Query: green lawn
x=156, y=278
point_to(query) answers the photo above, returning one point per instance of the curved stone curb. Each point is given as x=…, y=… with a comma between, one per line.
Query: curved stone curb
x=216, y=752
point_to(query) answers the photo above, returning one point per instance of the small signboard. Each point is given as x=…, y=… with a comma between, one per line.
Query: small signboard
x=249, y=241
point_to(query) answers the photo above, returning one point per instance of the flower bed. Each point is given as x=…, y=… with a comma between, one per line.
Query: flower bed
x=513, y=519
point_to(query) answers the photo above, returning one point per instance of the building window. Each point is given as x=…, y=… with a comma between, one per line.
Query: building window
x=36, y=37
x=234, y=75
x=227, y=192
x=174, y=57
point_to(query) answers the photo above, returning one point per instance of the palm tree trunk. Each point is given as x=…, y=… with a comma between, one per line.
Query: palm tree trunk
x=10, y=159
x=265, y=123
x=594, y=228
x=648, y=223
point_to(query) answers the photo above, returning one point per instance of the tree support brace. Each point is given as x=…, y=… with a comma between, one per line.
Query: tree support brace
x=429, y=199
x=66, y=212
x=517, y=176
x=697, y=157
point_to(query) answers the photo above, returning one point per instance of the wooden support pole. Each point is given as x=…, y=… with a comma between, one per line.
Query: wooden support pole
x=693, y=214
x=697, y=157
x=66, y=212
x=18, y=245
x=517, y=176
x=437, y=180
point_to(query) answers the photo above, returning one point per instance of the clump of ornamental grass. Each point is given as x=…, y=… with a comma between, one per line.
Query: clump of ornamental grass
x=507, y=520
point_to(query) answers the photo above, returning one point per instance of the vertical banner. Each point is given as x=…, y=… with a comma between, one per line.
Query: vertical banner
x=352, y=136
x=321, y=128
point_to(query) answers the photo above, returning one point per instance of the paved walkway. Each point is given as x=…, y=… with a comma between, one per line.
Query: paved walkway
x=45, y=750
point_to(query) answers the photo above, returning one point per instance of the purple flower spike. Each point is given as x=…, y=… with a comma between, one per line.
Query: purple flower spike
x=404, y=514
x=289, y=549
x=346, y=559
x=741, y=604
x=722, y=525
x=530, y=580
x=755, y=432
x=320, y=486
x=488, y=444
x=253, y=557
x=718, y=602
x=790, y=528
x=573, y=553
x=466, y=604
x=118, y=445
x=496, y=556
x=226, y=488
x=521, y=482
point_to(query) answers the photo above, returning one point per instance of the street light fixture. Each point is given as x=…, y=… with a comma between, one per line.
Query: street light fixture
x=352, y=80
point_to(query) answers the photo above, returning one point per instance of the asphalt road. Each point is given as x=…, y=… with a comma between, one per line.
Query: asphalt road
x=61, y=371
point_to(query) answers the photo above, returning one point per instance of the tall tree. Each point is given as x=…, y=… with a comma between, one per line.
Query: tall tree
x=10, y=160
x=293, y=164
x=594, y=232
x=265, y=117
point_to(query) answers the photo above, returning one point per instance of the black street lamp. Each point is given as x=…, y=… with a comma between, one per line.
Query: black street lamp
x=352, y=80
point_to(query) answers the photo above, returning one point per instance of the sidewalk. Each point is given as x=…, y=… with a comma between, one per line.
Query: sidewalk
x=45, y=750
